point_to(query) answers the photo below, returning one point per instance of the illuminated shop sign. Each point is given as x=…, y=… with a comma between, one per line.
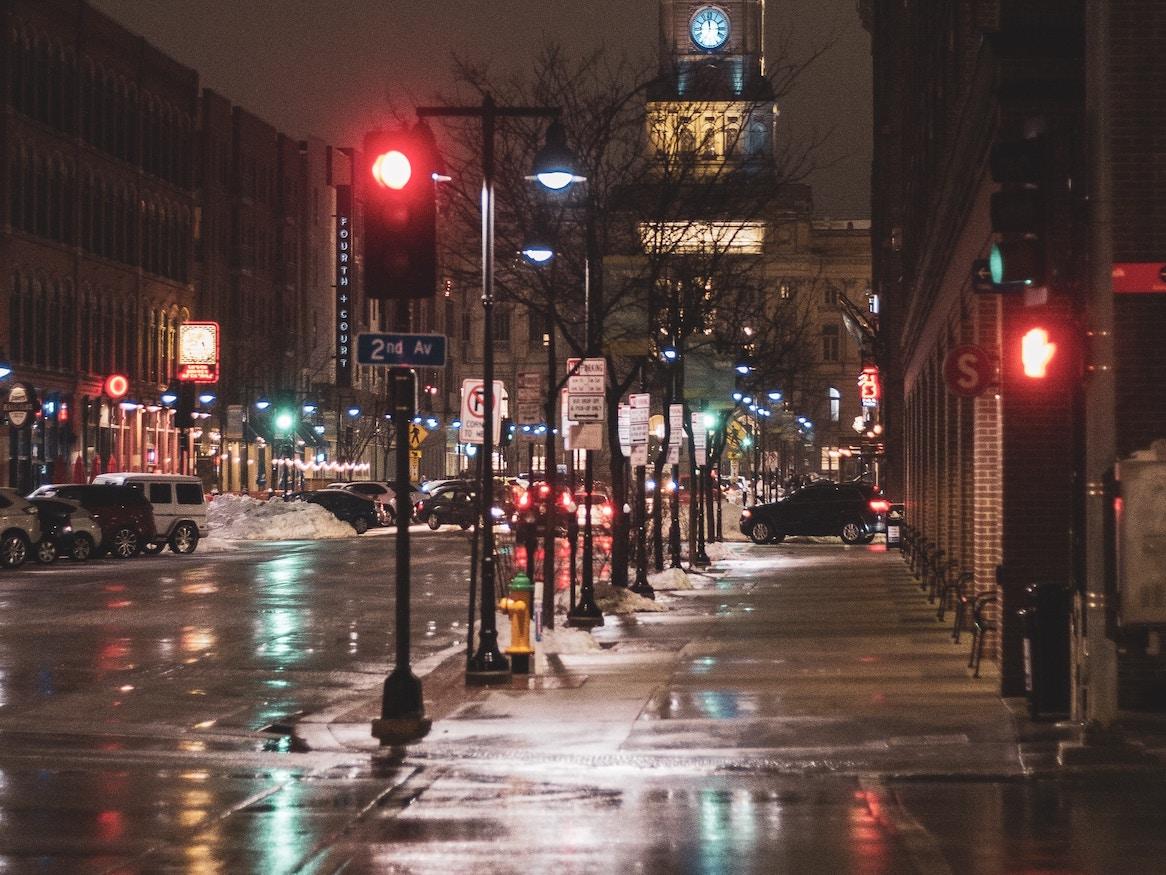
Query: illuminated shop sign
x=198, y=352
x=868, y=386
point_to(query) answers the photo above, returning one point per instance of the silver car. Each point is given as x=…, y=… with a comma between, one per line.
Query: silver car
x=19, y=528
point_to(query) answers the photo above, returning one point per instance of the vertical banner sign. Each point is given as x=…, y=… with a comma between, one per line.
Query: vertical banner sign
x=638, y=406
x=625, y=429
x=344, y=286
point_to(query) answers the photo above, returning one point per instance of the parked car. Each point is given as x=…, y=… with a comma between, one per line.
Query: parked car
x=381, y=491
x=67, y=529
x=179, y=508
x=359, y=511
x=19, y=528
x=853, y=511
x=454, y=503
x=125, y=516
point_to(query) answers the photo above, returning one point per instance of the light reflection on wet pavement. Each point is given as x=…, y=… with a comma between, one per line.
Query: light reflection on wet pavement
x=152, y=719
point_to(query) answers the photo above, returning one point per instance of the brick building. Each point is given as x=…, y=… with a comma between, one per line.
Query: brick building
x=996, y=479
x=96, y=226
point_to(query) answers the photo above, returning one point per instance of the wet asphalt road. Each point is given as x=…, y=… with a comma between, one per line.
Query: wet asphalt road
x=798, y=711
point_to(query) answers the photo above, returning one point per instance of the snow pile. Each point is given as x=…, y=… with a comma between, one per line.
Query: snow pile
x=670, y=579
x=731, y=522
x=565, y=640
x=241, y=517
x=618, y=600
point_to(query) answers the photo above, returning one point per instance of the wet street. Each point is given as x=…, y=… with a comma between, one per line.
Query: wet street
x=798, y=710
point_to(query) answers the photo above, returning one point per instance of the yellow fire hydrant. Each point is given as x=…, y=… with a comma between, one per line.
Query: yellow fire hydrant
x=517, y=605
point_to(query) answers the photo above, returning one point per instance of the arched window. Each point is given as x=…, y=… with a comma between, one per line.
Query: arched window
x=38, y=323
x=835, y=399
x=67, y=320
x=17, y=329
x=85, y=334
x=53, y=318
x=758, y=141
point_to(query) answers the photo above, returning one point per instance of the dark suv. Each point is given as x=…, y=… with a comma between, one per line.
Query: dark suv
x=359, y=511
x=125, y=516
x=853, y=511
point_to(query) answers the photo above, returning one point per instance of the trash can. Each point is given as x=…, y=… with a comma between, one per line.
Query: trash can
x=1046, y=649
x=895, y=526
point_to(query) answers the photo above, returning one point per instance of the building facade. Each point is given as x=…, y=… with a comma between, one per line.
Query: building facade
x=1000, y=472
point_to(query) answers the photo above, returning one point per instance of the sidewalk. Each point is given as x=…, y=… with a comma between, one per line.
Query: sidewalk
x=799, y=658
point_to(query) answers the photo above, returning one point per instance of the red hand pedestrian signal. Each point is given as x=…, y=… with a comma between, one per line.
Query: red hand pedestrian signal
x=1036, y=352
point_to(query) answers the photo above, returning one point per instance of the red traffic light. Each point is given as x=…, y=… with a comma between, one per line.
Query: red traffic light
x=392, y=169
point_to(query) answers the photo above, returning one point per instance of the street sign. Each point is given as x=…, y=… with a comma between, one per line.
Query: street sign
x=473, y=411
x=404, y=350
x=638, y=405
x=675, y=424
x=982, y=278
x=968, y=371
x=530, y=398
x=698, y=437
x=1134, y=278
x=589, y=379
x=417, y=436
x=585, y=408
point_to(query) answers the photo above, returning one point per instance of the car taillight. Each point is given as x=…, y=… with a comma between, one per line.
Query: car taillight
x=745, y=514
x=565, y=500
x=880, y=505
x=544, y=491
x=524, y=500
x=607, y=510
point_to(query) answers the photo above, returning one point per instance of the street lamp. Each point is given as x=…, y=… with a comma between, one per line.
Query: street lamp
x=553, y=169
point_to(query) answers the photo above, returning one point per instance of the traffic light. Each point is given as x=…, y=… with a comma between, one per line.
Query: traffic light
x=1047, y=351
x=184, y=405
x=284, y=420
x=400, y=213
x=1036, y=352
x=1018, y=213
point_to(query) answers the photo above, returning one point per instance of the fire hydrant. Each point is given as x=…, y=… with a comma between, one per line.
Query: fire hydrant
x=517, y=605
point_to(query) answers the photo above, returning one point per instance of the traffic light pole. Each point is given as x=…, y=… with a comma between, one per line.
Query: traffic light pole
x=402, y=717
x=488, y=665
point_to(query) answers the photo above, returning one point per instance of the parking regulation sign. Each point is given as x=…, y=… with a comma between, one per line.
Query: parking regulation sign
x=473, y=415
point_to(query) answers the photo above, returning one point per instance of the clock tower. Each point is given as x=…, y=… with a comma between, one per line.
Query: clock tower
x=712, y=100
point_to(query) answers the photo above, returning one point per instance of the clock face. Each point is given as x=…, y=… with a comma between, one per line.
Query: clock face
x=709, y=28
x=198, y=344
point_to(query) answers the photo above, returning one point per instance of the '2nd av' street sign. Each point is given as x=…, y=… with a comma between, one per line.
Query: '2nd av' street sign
x=406, y=350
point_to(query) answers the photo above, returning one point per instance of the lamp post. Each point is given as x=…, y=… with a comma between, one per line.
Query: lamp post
x=488, y=665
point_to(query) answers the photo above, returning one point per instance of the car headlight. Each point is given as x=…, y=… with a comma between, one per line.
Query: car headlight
x=745, y=514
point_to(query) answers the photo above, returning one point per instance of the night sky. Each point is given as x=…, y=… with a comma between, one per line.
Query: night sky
x=325, y=68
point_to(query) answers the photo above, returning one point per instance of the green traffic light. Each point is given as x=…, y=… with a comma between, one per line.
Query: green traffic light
x=996, y=264
x=284, y=421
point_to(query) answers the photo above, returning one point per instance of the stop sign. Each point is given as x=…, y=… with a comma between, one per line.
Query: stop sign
x=968, y=371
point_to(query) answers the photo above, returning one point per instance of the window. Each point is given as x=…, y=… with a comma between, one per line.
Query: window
x=786, y=291
x=830, y=295
x=188, y=493
x=835, y=404
x=160, y=493
x=502, y=328
x=831, y=346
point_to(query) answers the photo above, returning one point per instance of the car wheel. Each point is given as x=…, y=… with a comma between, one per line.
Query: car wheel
x=124, y=544
x=184, y=539
x=390, y=517
x=360, y=524
x=760, y=533
x=46, y=551
x=433, y=522
x=852, y=532
x=82, y=549
x=13, y=550
x=464, y=525
x=777, y=539
x=153, y=548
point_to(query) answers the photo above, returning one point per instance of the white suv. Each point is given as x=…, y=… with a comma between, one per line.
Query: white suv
x=19, y=528
x=179, y=507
